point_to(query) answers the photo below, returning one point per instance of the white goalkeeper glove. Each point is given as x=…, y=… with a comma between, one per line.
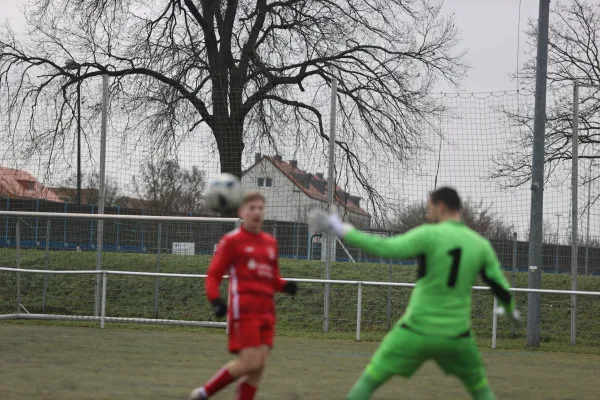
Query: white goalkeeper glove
x=514, y=317
x=322, y=221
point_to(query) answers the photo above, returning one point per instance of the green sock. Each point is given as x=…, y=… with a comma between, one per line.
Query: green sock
x=483, y=394
x=363, y=388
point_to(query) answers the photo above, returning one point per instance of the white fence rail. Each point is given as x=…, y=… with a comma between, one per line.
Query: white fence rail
x=98, y=245
x=21, y=312
x=154, y=235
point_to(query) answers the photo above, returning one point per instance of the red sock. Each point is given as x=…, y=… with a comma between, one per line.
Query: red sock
x=245, y=391
x=218, y=382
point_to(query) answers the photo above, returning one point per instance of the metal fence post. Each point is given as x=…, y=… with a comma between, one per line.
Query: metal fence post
x=494, y=323
x=99, y=244
x=358, y=311
x=37, y=222
x=574, y=209
x=118, y=227
x=66, y=211
x=389, y=298
x=46, y=266
x=142, y=228
x=514, y=275
x=587, y=225
x=159, y=240
x=103, y=312
x=514, y=260
x=7, y=222
x=18, y=244
x=92, y=230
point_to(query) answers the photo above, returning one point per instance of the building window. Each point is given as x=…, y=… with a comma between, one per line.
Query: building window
x=265, y=182
x=28, y=185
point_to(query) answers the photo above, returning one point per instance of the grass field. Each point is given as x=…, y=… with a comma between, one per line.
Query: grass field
x=39, y=361
x=182, y=298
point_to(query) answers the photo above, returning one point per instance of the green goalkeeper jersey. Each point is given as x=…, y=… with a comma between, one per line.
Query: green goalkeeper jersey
x=451, y=256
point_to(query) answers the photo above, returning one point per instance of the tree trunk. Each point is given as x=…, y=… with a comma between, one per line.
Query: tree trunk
x=230, y=142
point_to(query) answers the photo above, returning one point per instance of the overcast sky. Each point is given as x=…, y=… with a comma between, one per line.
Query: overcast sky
x=489, y=29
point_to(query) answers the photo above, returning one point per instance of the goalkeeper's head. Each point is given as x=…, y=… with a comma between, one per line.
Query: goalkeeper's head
x=443, y=204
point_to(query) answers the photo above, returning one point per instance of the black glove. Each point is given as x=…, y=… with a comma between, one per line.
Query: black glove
x=290, y=288
x=219, y=307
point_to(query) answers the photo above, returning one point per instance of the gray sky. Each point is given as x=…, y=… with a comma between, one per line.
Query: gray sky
x=489, y=29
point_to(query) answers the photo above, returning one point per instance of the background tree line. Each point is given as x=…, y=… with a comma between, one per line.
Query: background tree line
x=163, y=188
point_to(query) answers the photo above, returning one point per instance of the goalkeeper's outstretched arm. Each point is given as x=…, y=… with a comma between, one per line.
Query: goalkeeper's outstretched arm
x=409, y=244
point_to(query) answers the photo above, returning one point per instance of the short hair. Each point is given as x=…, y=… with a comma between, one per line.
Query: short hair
x=252, y=196
x=448, y=196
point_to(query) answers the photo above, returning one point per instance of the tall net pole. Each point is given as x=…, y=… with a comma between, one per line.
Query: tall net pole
x=330, y=191
x=101, y=189
x=575, y=205
x=537, y=178
x=574, y=208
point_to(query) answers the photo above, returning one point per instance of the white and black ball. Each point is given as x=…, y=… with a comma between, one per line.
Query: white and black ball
x=224, y=193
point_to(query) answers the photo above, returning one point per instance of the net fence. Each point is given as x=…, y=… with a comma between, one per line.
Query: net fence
x=474, y=142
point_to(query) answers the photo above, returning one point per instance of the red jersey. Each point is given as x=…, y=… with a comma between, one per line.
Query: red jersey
x=251, y=260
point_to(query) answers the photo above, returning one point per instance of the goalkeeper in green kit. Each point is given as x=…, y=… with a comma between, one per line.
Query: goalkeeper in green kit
x=437, y=322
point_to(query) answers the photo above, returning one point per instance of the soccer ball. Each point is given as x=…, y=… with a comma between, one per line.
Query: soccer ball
x=224, y=193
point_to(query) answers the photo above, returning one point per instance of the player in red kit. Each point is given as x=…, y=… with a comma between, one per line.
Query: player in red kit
x=250, y=257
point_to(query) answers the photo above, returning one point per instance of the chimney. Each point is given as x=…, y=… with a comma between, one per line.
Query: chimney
x=294, y=163
x=257, y=157
x=278, y=158
x=320, y=175
x=344, y=196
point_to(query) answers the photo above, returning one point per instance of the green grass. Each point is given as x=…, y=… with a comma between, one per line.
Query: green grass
x=68, y=363
x=181, y=298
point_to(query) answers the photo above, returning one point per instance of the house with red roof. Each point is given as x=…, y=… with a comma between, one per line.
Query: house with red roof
x=19, y=184
x=291, y=192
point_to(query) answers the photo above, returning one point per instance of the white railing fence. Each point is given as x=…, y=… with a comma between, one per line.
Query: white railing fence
x=105, y=235
x=128, y=297
x=105, y=242
x=73, y=293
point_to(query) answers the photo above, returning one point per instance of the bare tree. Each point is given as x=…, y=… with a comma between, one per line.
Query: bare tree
x=573, y=55
x=167, y=189
x=238, y=67
x=475, y=215
x=91, y=194
x=408, y=217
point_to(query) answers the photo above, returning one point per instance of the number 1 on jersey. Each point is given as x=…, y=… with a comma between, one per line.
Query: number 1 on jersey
x=455, y=253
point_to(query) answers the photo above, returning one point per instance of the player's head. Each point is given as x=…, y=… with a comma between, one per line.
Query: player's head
x=252, y=211
x=443, y=204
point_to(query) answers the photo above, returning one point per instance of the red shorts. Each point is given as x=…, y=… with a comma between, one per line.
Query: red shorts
x=246, y=333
